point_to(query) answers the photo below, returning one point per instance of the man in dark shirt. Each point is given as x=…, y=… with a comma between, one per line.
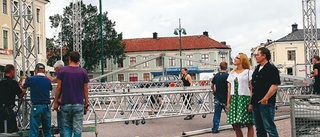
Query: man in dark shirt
x=265, y=81
x=316, y=68
x=40, y=112
x=9, y=90
x=219, y=85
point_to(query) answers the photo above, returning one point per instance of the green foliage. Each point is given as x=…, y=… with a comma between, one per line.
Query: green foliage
x=112, y=45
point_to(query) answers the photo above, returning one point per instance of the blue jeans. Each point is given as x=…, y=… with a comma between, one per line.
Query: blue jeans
x=217, y=114
x=59, y=121
x=72, y=118
x=264, y=120
x=40, y=114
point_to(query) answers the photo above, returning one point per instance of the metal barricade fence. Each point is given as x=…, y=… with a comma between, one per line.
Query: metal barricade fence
x=133, y=101
x=305, y=115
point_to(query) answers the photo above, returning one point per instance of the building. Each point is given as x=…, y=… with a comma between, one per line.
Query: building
x=199, y=47
x=287, y=53
x=6, y=32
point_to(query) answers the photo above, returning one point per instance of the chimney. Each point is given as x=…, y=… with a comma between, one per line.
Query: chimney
x=155, y=35
x=294, y=27
x=223, y=42
x=206, y=33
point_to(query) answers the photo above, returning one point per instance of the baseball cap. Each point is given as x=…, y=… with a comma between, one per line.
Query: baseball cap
x=40, y=66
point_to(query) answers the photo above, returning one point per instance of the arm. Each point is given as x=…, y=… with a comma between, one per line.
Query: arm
x=212, y=87
x=229, y=96
x=86, y=98
x=270, y=93
x=85, y=93
x=22, y=93
x=56, y=95
x=315, y=72
x=52, y=79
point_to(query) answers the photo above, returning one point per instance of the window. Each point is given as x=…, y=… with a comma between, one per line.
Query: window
x=5, y=39
x=146, y=76
x=15, y=7
x=133, y=77
x=273, y=56
x=189, y=62
x=4, y=7
x=38, y=45
x=132, y=60
x=291, y=54
x=120, y=64
x=29, y=15
x=205, y=57
x=172, y=61
x=29, y=44
x=146, y=64
x=38, y=15
x=120, y=77
x=17, y=41
x=105, y=63
x=159, y=62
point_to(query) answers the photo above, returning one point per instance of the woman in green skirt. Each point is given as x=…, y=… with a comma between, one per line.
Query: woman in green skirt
x=239, y=94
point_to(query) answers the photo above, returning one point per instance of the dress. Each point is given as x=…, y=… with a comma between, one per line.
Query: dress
x=238, y=111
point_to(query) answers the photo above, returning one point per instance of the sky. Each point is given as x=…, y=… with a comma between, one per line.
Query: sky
x=242, y=24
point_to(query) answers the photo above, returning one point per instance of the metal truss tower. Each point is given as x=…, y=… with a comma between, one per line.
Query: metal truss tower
x=23, y=37
x=24, y=41
x=77, y=28
x=310, y=32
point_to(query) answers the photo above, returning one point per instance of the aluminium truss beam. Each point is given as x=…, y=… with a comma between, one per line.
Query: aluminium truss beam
x=310, y=32
x=77, y=28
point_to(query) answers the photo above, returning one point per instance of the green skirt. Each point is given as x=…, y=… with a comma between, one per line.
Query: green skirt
x=238, y=111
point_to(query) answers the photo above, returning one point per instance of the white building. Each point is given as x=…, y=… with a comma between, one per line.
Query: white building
x=200, y=47
x=287, y=53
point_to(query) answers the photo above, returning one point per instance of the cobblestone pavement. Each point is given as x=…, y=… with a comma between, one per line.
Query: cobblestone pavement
x=175, y=126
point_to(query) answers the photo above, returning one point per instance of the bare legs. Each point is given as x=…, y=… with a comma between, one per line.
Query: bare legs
x=237, y=129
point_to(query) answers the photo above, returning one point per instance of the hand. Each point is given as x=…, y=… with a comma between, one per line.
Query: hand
x=227, y=107
x=263, y=101
x=86, y=108
x=250, y=108
x=56, y=106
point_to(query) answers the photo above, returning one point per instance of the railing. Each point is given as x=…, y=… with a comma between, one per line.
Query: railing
x=132, y=101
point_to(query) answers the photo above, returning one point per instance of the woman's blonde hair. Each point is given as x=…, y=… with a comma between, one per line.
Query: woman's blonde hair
x=244, y=61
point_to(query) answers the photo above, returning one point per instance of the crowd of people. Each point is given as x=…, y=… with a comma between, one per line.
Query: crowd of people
x=247, y=96
x=70, y=101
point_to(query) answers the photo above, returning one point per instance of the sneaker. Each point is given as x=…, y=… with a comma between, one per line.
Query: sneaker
x=215, y=131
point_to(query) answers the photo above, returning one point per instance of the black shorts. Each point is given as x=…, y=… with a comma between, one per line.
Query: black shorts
x=316, y=88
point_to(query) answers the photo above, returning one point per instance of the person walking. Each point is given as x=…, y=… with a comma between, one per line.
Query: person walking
x=316, y=71
x=239, y=94
x=59, y=64
x=219, y=86
x=73, y=87
x=187, y=98
x=265, y=83
x=9, y=90
x=40, y=112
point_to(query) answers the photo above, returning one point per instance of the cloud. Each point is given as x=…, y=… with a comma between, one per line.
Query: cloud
x=242, y=24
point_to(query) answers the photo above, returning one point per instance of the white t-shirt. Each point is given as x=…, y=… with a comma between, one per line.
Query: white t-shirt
x=243, y=81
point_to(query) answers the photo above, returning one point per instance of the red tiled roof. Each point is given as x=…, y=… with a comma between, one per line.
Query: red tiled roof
x=172, y=43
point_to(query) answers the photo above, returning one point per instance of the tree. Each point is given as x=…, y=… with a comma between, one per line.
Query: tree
x=112, y=48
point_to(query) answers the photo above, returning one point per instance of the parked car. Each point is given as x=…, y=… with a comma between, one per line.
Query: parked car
x=160, y=81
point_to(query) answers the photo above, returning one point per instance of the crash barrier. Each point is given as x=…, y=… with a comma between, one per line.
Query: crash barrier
x=142, y=104
x=134, y=101
x=305, y=115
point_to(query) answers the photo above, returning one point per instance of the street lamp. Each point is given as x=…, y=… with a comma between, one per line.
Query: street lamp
x=178, y=31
